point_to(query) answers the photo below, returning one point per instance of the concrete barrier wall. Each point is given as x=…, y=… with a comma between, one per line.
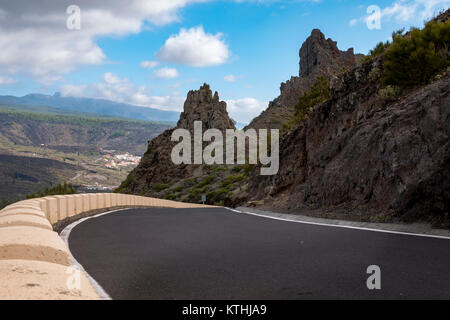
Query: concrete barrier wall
x=31, y=252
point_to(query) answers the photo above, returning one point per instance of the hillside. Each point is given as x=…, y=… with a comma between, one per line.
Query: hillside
x=94, y=107
x=76, y=133
x=362, y=138
x=47, y=146
x=21, y=175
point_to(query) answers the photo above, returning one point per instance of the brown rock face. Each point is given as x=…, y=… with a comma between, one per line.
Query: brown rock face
x=201, y=105
x=156, y=165
x=318, y=57
x=368, y=155
x=322, y=57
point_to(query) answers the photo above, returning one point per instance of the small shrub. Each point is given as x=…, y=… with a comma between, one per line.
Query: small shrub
x=379, y=49
x=248, y=168
x=389, y=92
x=178, y=189
x=236, y=169
x=230, y=180
x=374, y=74
x=60, y=189
x=170, y=196
x=206, y=181
x=190, y=182
x=125, y=184
x=195, y=194
x=218, y=169
x=4, y=203
x=158, y=187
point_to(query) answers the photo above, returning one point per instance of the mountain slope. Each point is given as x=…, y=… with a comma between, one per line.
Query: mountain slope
x=40, y=149
x=76, y=133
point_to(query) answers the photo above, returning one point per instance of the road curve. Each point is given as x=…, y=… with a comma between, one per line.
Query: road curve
x=162, y=253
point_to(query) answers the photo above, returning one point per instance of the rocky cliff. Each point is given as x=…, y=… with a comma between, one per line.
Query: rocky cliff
x=318, y=57
x=369, y=155
x=156, y=171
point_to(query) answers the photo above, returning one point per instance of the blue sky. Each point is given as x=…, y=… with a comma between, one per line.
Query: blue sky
x=243, y=49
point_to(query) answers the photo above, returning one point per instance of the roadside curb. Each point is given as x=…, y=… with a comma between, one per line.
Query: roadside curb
x=416, y=229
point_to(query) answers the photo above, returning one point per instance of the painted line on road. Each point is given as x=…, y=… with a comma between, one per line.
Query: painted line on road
x=65, y=234
x=340, y=226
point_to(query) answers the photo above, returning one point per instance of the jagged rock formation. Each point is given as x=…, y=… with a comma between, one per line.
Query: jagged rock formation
x=369, y=155
x=201, y=105
x=318, y=57
x=156, y=166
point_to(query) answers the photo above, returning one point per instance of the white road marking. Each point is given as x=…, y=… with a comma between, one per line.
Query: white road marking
x=65, y=236
x=340, y=226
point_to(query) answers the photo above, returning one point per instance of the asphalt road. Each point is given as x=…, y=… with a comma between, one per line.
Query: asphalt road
x=218, y=254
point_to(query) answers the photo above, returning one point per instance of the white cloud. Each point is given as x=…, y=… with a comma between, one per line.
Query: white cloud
x=117, y=89
x=166, y=73
x=7, y=80
x=195, y=48
x=149, y=64
x=353, y=22
x=245, y=109
x=70, y=90
x=35, y=41
x=409, y=10
x=230, y=78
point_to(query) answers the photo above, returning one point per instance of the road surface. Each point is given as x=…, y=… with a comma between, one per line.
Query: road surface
x=162, y=253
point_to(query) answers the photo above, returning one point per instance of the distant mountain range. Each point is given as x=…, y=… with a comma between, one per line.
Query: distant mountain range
x=92, y=106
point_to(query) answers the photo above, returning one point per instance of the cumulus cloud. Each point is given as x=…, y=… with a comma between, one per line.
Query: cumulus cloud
x=35, y=40
x=115, y=88
x=195, y=48
x=148, y=64
x=409, y=10
x=245, y=109
x=166, y=73
x=230, y=78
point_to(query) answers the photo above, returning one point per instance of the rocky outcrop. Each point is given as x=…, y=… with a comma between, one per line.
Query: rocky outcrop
x=318, y=57
x=370, y=155
x=201, y=105
x=322, y=57
x=156, y=166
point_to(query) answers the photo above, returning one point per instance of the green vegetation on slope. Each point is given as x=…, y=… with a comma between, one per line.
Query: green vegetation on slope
x=76, y=133
x=24, y=175
x=413, y=58
x=60, y=189
x=319, y=93
x=91, y=121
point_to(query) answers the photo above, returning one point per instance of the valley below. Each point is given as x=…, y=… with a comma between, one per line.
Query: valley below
x=39, y=150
